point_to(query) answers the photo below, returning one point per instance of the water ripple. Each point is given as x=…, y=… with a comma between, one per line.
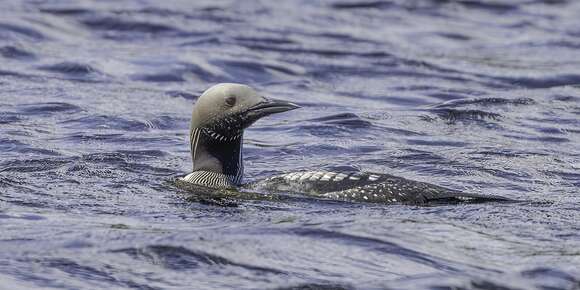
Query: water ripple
x=14, y=52
x=45, y=109
x=71, y=69
x=95, y=108
x=182, y=259
x=106, y=122
x=7, y=30
x=348, y=120
x=108, y=23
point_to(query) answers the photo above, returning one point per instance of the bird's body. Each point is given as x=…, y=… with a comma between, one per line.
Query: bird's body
x=365, y=187
x=216, y=136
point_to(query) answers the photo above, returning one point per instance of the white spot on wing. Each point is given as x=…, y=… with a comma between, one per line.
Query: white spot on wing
x=327, y=176
x=305, y=176
x=316, y=176
x=295, y=177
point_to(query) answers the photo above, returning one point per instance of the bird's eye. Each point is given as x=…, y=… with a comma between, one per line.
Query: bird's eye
x=231, y=101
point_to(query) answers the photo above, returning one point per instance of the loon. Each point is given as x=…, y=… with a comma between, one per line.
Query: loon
x=218, y=120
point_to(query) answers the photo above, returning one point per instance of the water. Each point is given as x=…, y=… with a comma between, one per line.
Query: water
x=481, y=96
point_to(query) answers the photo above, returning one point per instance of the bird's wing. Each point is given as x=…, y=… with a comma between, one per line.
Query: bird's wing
x=368, y=187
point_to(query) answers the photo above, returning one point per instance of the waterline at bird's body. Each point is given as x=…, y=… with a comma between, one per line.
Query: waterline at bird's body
x=218, y=121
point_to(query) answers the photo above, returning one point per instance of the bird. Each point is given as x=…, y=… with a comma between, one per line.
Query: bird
x=219, y=118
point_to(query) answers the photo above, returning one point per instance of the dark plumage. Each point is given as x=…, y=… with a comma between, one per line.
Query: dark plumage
x=219, y=118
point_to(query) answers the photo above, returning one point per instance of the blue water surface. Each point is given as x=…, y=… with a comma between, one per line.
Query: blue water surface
x=479, y=96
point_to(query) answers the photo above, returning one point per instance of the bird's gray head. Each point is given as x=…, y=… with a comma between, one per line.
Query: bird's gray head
x=218, y=120
x=225, y=110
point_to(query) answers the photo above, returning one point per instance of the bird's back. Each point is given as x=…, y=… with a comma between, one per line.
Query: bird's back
x=367, y=187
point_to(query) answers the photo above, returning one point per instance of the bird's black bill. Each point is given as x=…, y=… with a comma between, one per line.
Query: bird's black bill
x=271, y=106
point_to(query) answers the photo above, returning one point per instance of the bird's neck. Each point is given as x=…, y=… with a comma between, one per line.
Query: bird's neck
x=215, y=153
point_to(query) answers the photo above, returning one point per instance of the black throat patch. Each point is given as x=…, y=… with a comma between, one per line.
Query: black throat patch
x=217, y=153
